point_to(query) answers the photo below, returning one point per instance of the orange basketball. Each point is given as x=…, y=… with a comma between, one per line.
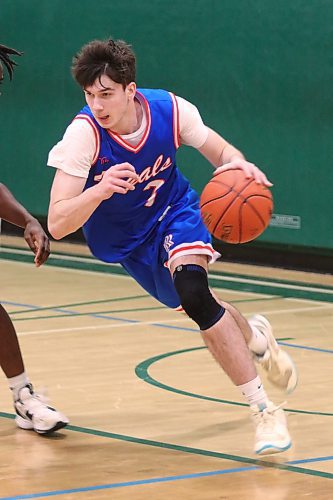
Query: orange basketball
x=235, y=209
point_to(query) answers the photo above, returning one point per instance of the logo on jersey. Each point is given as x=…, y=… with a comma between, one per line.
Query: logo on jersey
x=168, y=242
x=103, y=160
x=159, y=165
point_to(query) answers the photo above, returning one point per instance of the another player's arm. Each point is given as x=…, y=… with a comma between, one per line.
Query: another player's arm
x=223, y=156
x=12, y=211
x=70, y=206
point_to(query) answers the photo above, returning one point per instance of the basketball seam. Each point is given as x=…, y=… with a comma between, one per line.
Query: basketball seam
x=249, y=204
x=220, y=196
x=258, y=196
x=230, y=204
x=214, y=199
x=256, y=211
x=240, y=218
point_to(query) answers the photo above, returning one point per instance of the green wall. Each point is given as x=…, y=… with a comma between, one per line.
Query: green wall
x=259, y=71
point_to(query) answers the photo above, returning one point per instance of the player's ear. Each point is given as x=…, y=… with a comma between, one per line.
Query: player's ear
x=131, y=90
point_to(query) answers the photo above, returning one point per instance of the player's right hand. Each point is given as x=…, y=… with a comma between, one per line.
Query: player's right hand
x=37, y=240
x=119, y=178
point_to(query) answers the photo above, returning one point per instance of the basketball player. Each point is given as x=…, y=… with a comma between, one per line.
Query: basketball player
x=32, y=412
x=117, y=178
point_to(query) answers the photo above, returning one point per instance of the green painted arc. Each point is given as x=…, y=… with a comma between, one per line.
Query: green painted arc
x=141, y=370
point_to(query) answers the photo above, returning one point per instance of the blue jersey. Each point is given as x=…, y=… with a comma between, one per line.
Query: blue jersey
x=125, y=221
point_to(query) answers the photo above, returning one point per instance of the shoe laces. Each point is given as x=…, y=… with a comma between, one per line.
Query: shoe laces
x=33, y=398
x=266, y=418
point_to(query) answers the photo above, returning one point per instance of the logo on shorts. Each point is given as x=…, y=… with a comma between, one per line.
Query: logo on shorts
x=168, y=242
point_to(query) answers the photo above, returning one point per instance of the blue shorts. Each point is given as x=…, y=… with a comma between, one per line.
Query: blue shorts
x=180, y=232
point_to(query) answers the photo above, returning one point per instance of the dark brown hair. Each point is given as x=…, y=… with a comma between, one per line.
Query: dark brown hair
x=5, y=59
x=113, y=58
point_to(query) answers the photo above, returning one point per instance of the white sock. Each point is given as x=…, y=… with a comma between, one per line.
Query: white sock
x=16, y=383
x=254, y=393
x=258, y=343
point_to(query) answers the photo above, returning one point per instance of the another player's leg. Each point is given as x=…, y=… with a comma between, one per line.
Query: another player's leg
x=226, y=342
x=31, y=408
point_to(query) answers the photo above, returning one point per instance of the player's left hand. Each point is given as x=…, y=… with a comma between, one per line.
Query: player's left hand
x=250, y=170
x=38, y=241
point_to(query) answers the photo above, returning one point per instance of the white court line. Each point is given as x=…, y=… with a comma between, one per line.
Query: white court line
x=297, y=309
x=304, y=301
x=89, y=260
x=163, y=322
x=243, y=292
x=50, y=268
x=273, y=284
x=96, y=327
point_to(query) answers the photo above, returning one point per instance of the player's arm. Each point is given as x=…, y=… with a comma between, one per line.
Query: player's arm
x=223, y=156
x=12, y=211
x=220, y=153
x=71, y=206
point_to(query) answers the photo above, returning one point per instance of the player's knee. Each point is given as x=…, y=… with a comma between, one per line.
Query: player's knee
x=191, y=283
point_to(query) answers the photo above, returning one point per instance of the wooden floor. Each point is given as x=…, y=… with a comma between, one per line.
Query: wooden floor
x=152, y=415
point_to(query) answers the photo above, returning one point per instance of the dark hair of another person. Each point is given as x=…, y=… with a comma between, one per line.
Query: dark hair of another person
x=5, y=52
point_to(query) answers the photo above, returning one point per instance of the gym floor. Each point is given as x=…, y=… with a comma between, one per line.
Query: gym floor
x=152, y=415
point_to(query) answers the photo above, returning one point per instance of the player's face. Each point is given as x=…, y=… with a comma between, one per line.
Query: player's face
x=111, y=104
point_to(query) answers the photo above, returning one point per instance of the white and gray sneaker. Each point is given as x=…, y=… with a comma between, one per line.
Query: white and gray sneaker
x=272, y=434
x=33, y=413
x=277, y=364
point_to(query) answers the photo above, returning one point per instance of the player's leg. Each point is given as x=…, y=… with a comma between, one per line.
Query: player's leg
x=32, y=411
x=184, y=233
x=183, y=241
x=225, y=340
x=190, y=279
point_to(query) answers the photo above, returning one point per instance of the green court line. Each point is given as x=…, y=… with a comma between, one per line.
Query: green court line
x=141, y=370
x=270, y=280
x=119, y=299
x=317, y=292
x=92, y=260
x=71, y=314
x=78, y=304
x=89, y=313
x=67, y=264
x=268, y=289
x=193, y=451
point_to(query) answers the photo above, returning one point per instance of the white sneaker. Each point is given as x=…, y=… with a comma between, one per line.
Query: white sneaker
x=272, y=434
x=33, y=413
x=279, y=366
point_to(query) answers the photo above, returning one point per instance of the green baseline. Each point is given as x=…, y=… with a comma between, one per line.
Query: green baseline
x=193, y=451
x=245, y=283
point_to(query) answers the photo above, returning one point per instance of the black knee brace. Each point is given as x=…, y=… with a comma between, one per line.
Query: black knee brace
x=191, y=283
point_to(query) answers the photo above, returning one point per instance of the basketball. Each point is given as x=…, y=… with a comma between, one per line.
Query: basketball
x=234, y=208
